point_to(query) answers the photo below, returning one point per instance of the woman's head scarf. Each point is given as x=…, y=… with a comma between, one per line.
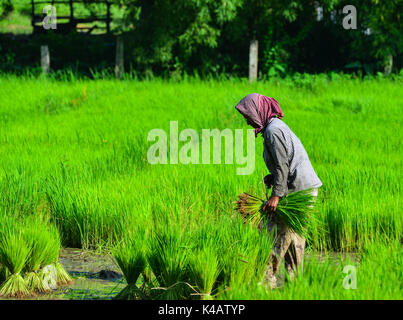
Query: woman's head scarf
x=258, y=110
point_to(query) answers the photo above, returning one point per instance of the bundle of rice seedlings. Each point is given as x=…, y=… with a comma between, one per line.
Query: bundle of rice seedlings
x=53, y=250
x=42, y=238
x=228, y=239
x=14, y=253
x=63, y=278
x=53, y=272
x=37, y=242
x=243, y=255
x=131, y=258
x=250, y=207
x=48, y=269
x=204, y=269
x=294, y=210
x=168, y=260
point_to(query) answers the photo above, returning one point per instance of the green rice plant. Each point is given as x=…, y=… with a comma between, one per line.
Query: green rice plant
x=3, y=273
x=130, y=256
x=38, y=240
x=38, y=243
x=294, y=210
x=40, y=235
x=239, y=249
x=319, y=280
x=14, y=253
x=168, y=259
x=96, y=175
x=247, y=256
x=376, y=268
x=51, y=261
x=380, y=269
x=62, y=276
x=204, y=269
x=98, y=169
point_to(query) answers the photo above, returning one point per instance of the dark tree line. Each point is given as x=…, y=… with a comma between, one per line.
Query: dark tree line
x=213, y=36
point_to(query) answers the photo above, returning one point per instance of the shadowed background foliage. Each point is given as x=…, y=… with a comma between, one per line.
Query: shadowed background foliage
x=171, y=38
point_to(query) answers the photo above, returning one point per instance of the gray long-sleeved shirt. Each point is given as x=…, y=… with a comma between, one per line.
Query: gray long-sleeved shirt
x=287, y=160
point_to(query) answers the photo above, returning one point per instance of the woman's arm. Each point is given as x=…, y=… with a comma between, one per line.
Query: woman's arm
x=278, y=148
x=276, y=144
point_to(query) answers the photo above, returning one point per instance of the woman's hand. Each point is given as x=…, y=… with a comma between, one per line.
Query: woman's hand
x=268, y=180
x=271, y=204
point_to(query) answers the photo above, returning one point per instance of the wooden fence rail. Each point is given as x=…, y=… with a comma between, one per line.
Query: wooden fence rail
x=73, y=21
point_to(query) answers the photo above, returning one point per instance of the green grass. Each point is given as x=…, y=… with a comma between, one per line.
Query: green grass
x=78, y=151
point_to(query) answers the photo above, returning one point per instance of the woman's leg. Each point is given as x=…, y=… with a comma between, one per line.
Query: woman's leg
x=288, y=245
x=294, y=257
x=282, y=243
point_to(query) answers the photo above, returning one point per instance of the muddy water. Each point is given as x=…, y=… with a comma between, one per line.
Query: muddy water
x=95, y=277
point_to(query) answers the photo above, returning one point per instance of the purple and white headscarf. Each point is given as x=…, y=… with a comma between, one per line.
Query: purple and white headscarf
x=259, y=109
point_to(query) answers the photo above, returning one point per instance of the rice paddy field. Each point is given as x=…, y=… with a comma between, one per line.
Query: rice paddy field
x=74, y=168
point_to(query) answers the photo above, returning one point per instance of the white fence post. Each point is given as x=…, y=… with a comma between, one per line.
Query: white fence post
x=45, y=59
x=119, y=66
x=253, y=60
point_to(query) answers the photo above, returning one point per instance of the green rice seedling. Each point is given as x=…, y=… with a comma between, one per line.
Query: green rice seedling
x=130, y=256
x=88, y=162
x=242, y=252
x=62, y=276
x=252, y=252
x=97, y=177
x=168, y=259
x=38, y=242
x=376, y=270
x=208, y=241
x=320, y=279
x=2, y=273
x=14, y=253
x=204, y=268
x=294, y=210
x=37, y=231
x=52, y=268
x=381, y=269
x=42, y=242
